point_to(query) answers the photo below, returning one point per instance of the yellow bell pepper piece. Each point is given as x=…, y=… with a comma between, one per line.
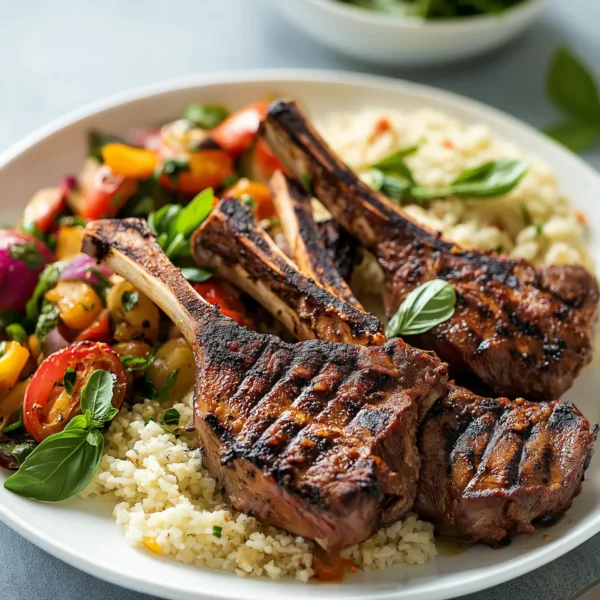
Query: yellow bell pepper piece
x=34, y=346
x=152, y=544
x=68, y=241
x=127, y=161
x=13, y=358
x=77, y=302
x=11, y=402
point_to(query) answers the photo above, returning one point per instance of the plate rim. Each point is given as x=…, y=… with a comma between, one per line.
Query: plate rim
x=475, y=581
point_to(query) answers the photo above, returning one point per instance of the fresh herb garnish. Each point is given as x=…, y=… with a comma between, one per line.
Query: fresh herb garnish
x=103, y=283
x=217, y=531
x=572, y=89
x=129, y=300
x=29, y=253
x=97, y=140
x=49, y=319
x=46, y=281
x=230, y=180
x=172, y=167
x=539, y=231
x=138, y=363
x=16, y=332
x=423, y=309
x=196, y=275
x=171, y=417
x=205, y=116
x=163, y=395
x=16, y=425
x=494, y=178
x=307, y=182
x=173, y=224
x=69, y=381
x=64, y=463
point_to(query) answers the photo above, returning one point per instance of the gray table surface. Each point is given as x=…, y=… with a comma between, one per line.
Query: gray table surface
x=56, y=56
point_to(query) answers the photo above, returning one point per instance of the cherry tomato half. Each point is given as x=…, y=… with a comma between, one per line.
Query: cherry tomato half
x=229, y=304
x=44, y=207
x=264, y=162
x=107, y=194
x=260, y=194
x=236, y=133
x=48, y=407
x=98, y=331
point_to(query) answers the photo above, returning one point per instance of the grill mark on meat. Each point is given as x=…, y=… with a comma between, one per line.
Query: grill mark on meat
x=532, y=307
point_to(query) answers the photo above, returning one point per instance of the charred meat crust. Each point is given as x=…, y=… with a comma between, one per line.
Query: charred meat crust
x=513, y=322
x=309, y=437
x=342, y=247
x=231, y=242
x=492, y=467
x=303, y=237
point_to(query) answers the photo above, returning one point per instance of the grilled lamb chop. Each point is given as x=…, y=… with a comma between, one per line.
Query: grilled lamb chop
x=491, y=467
x=520, y=329
x=304, y=239
x=342, y=247
x=231, y=242
x=316, y=438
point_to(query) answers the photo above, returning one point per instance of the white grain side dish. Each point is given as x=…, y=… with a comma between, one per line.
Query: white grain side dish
x=168, y=504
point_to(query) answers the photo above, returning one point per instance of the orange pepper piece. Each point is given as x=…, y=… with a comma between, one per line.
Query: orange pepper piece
x=127, y=161
x=207, y=168
x=259, y=192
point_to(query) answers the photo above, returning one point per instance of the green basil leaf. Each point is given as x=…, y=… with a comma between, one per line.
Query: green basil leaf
x=45, y=282
x=60, y=467
x=171, y=417
x=494, y=178
x=206, y=116
x=423, y=309
x=95, y=438
x=129, y=300
x=571, y=87
x=97, y=394
x=195, y=274
x=161, y=221
x=134, y=363
x=69, y=380
x=78, y=422
x=394, y=163
x=395, y=187
x=376, y=177
x=195, y=212
x=574, y=134
x=16, y=332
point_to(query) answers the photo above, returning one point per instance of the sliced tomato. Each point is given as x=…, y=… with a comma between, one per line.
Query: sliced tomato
x=48, y=406
x=43, y=209
x=228, y=302
x=107, y=194
x=98, y=331
x=236, y=133
x=207, y=168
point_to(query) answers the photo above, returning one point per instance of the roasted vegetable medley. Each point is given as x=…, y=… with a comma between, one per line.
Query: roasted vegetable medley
x=77, y=340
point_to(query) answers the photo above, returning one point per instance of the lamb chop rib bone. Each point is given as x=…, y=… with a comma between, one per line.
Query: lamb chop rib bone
x=490, y=467
x=520, y=330
x=309, y=437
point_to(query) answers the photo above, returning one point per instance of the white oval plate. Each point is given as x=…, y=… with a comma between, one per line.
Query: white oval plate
x=83, y=533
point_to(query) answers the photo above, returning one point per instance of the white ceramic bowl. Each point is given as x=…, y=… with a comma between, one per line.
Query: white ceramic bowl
x=83, y=533
x=394, y=40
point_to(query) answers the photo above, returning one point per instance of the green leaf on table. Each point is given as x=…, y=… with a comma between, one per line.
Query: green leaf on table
x=574, y=134
x=571, y=87
x=423, y=309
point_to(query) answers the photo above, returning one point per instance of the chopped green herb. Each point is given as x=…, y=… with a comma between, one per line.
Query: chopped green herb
x=69, y=380
x=164, y=394
x=230, y=180
x=16, y=332
x=539, y=230
x=49, y=319
x=103, y=283
x=29, y=253
x=217, y=531
x=248, y=200
x=46, y=281
x=172, y=167
x=171, y=417
x=17, y=424
x=307, y=182
x=206, y=116
x=129, y=300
